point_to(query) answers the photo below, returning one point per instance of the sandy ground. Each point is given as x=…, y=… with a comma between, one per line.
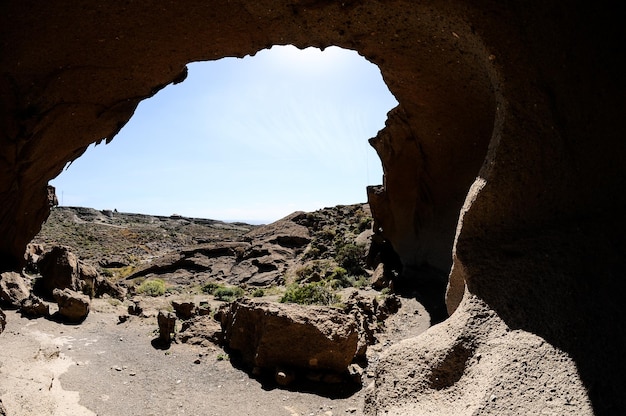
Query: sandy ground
x=101, y=367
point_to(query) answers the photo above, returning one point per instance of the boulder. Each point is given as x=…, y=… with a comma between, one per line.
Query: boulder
x=271, y=335
x=379, y=280
x=167, y=326
x=59, y=270
x=13, y=289
x=142, y=308
x=201, y=330
x=32, y=255
x=87, y=277
x=73, y=306
x=34, y=307
x=184, y=310
x=105, y=287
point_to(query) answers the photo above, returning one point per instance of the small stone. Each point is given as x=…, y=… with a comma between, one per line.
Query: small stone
x=356, y=373
x=284, y=377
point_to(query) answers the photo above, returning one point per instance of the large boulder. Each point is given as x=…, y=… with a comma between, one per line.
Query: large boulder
x=73, y=306
x=59, y=270
x=13, y=289
x=270, y=335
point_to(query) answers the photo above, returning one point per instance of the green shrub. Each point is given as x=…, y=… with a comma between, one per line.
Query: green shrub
x=365, y=223
x=258, y=293
x=350, y=257
x=227, y=294
x=361, y=282
x=339, y=278
x=155, y=287
x=315, y=270
x=310, y=294
x=210, y=287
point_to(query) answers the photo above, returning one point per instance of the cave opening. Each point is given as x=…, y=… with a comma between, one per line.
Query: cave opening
x=250, y=140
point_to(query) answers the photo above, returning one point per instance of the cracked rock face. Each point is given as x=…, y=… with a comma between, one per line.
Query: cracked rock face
x=503, y=160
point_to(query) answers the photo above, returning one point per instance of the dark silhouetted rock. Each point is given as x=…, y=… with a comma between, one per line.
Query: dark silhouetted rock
x=3, y=320
x=167, y=326
x=34, y=307
x=184, y=310
x=59, y=270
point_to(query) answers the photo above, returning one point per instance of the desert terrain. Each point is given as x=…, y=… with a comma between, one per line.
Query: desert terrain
x=112, y=362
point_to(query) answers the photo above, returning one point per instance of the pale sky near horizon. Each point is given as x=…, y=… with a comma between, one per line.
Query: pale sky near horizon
x=250, y=139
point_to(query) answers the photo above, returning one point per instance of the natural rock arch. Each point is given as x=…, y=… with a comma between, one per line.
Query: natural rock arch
x=526, y=96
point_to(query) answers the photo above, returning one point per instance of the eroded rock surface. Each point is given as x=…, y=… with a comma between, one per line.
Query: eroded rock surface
x=13, y=289
x=270, y=335
x=73, y=306
x=522, y=101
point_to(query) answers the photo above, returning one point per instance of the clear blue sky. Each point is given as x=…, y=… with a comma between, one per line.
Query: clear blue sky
x=250, y=139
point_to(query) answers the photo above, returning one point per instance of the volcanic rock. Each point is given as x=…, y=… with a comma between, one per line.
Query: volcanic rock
x=504, y=157
x=270, y=335
x=13, y=289
x=201, y=330
x=34, y=307
x=73, y=306
x=59, y=270
x=167, y=326
x=184, y=310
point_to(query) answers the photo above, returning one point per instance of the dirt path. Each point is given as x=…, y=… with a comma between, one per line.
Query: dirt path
x=104, y=368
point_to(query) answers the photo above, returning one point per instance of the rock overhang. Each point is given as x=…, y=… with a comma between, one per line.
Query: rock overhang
x=521, y=94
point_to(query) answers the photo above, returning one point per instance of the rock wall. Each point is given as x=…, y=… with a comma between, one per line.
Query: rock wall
x=519, y=102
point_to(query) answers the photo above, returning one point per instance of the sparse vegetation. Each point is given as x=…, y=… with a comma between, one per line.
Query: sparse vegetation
x=222, y=292
x=228, y=293
x=210, y=287
x=258, y=293
x=153, y=287
x=316, y=293
x=350, y=257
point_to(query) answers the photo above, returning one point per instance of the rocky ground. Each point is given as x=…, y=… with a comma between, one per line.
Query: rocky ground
x=113, y=361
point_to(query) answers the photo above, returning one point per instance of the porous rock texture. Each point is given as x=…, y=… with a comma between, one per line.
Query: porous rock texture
x=268, y=335
x=519, y=102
